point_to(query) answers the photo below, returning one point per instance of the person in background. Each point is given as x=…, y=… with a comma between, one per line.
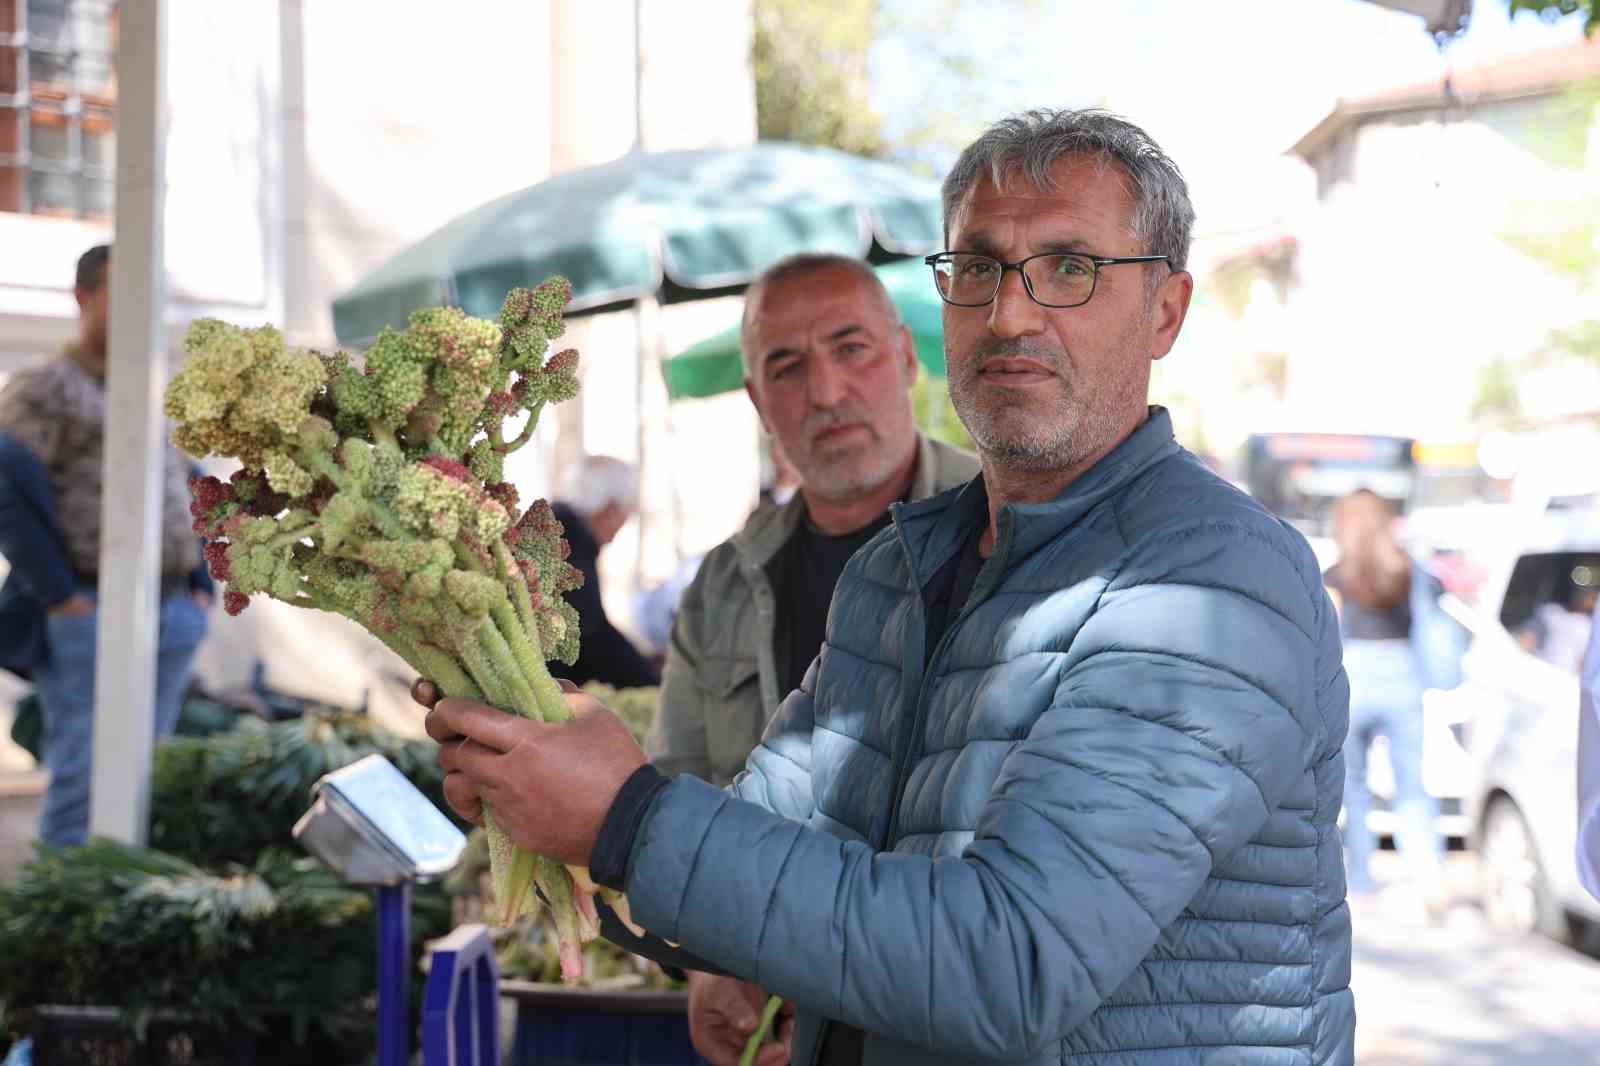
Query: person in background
x=52, y=436
x=1589, y=764
x=1372, y=585
x=829, y=367
x=595, y=499
x=1558, y=632
x=656, y=608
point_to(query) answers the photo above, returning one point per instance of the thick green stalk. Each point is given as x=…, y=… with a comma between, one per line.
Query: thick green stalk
x=522, y=633
x=527, y=431
x=467, y=559
x=437, y=666
x=517, y=586
x=381, y=433
x=494, y=646
x=292, y=536
x=769, y=1013
x=484, y=674
x=511, y=631
x=523, y=644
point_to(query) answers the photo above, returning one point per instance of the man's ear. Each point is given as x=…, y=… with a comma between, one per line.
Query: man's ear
x=755, y=401
x=908, y=352
x=1172, y=307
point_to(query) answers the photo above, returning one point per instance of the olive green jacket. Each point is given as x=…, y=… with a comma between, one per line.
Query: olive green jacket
x=720, y=686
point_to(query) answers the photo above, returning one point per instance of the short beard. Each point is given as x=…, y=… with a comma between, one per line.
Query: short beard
x=852, y=477
x=1080, y=423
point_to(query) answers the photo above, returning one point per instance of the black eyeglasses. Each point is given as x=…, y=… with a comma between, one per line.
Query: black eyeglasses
x=1054, y=279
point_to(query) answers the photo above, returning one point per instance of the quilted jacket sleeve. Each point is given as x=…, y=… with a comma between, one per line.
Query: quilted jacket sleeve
x=1185, y=709
x=777, y=775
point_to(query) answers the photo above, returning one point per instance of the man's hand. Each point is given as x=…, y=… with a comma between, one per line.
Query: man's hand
x=550, y=786
x=74, y=605
x=724, y=1011
x=202, y=599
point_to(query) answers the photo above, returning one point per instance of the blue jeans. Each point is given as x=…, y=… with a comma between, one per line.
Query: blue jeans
x=1386, y=700
x=66, y=698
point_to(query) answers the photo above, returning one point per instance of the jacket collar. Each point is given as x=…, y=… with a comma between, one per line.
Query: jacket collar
x=936, y=528
x=765, y=533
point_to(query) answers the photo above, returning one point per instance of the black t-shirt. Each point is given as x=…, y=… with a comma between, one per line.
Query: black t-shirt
x=803, y=575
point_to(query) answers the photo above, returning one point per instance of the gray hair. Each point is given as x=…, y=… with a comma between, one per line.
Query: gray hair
x=595, y=482
x=792, y=267
x=1032, y=141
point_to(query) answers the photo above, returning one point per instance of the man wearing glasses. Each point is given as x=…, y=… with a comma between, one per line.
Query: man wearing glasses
x=1063, y=782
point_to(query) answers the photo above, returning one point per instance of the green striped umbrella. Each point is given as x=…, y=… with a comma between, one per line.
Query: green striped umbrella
x=672, y=226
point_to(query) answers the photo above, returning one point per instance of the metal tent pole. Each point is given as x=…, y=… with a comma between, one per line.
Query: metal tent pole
x=130, y=507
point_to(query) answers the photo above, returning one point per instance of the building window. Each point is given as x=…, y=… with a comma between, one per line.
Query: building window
x=58, y=94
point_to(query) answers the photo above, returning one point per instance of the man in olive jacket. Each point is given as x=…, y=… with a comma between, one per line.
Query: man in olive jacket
x=752, y=620
x=1063, y=785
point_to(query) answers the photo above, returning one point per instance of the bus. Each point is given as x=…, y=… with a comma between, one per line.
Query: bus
x=1298, y=476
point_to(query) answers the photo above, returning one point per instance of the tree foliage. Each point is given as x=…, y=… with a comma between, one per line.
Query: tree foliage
x=1554, y=9
x=810, y=59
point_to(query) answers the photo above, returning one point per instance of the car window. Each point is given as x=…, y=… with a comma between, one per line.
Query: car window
x=1550, y=602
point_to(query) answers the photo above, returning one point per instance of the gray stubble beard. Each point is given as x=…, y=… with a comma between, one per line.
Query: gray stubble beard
x=1077, y=427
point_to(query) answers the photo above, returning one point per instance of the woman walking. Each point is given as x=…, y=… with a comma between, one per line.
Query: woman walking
x=1372, y=587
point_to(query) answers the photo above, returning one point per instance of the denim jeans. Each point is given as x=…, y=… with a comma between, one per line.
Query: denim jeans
x=66, y=698
x=1386, y=700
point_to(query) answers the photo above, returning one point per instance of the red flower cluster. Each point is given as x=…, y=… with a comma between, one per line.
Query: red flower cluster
x=206, y=494
x=501, y=403
x=216, y=555
x=449, y=467
x=505, y=494
x=563, y=362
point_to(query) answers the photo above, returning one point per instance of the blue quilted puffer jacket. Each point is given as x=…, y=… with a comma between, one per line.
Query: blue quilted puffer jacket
x=1098, y=828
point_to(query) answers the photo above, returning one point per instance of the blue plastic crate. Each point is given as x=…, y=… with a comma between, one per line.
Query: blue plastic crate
x=583, y=1027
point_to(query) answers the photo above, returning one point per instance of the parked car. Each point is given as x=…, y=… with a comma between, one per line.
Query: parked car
x=1519, y=705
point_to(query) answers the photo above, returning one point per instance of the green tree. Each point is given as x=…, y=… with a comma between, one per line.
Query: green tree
x=1554, y=9
x=1562, y=234
x=1498, y=400
x=936, y=414
x=811, y=59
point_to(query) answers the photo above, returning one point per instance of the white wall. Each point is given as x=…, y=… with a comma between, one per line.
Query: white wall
x=1403, y=287
x=309, y=141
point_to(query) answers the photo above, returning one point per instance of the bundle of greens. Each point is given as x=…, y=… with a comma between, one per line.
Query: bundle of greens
x=378, y=493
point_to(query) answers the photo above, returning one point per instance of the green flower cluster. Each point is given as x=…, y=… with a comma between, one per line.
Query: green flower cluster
x=376, y=491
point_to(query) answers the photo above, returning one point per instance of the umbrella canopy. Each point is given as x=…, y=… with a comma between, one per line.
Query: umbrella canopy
x=713, y=365
x=670, y=225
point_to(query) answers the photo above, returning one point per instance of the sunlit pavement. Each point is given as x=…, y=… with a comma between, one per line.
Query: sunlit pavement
x=1458, y=993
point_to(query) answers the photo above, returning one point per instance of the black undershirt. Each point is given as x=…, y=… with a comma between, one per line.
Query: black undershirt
x=803, y=575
